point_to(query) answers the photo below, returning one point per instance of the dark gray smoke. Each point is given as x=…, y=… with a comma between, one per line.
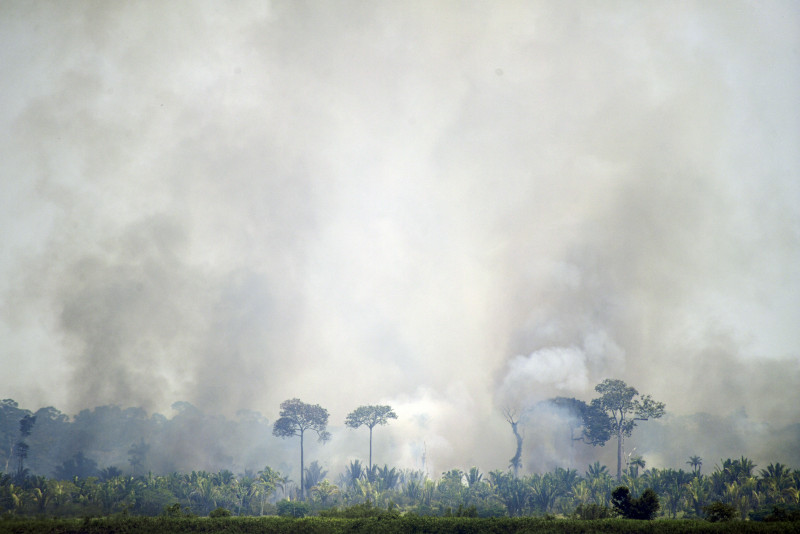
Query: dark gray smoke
x=441, y=207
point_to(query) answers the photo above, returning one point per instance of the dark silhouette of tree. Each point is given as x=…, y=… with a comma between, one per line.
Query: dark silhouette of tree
x=21, y=448
x=634, y=464
x=107, y=473
x=10, y=415
x=296, y=417
x=696, y=463
x=617, y=401
x=511, y=416
x=137, y=455
x=717, y=512
x=370, y=416
x=645, y=507
x=78, y=466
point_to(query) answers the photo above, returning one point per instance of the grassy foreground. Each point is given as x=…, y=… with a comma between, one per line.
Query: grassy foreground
x=406, y=524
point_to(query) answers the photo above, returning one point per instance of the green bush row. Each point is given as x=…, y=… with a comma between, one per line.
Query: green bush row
x=381, y=524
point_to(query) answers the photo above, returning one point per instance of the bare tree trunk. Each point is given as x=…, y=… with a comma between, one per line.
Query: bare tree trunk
x=619, y=455
x=510, y=416
x=517, y=459
x=370, y=449
x=302, y=471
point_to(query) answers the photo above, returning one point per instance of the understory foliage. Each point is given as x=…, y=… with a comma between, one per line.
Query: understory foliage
x=732, y=492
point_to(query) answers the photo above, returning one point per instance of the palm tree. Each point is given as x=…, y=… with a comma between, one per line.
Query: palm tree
x=204, y=492
x=749, y=496
x=776, y=479
x=474, y=476
x=697, y=491
x=285, y=484
x=266, y=483
x=353, y=473
x=597, y=471
x=696, y=463
x=746, y=467
x=601, y=488
x=223, y=477
x=387, y=478
x=581, y=493
x=314, y=475
x=324, y=491
x=565, y=479
x=634, y=464
x=544, y=490
x=13, y=495
x=675, y=493
x=514, y=493
x=364, y=488
x=41, y=493
x=413, y=490
x=242, y=490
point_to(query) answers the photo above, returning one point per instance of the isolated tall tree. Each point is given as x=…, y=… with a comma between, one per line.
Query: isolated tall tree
x=21, y=448
x=370, y=416
x=619, y=403
x=513, y=420
x=296, y=417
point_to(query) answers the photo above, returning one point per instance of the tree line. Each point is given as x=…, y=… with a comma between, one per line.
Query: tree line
x=79, y=486
x=734, y=489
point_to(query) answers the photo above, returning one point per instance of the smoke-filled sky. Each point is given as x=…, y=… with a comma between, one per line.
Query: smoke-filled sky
x=449, y=207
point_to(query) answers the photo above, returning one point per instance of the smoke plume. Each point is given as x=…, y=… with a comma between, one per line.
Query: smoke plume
x=440, y=207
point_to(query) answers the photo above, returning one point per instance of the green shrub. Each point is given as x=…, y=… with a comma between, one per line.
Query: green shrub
x=717, y=512
x=172, y=510
x=359, y=511
x=778, y=512
x=491, y=509
x=645, y=507
x=287, y=508
x=592, y=511
x=219, y=512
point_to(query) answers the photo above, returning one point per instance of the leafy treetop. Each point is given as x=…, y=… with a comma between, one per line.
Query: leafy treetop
x=296, y=417
x=370, y=416
x=617, y=400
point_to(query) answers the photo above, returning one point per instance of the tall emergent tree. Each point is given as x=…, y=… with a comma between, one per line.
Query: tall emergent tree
x=370, y=416
x=21, y=448
x=297, y=417
x=620, y=410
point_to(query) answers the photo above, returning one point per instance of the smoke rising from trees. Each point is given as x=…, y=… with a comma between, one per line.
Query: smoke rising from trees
x=441, y=208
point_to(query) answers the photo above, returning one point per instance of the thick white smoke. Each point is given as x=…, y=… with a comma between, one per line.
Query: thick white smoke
x=441, y=207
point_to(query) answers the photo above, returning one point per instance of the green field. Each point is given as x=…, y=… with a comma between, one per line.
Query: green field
x=406, y=524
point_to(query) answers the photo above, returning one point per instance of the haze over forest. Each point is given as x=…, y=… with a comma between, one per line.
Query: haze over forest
x=445, y=207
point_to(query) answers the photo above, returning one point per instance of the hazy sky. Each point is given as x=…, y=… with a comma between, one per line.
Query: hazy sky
x=444, y=206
